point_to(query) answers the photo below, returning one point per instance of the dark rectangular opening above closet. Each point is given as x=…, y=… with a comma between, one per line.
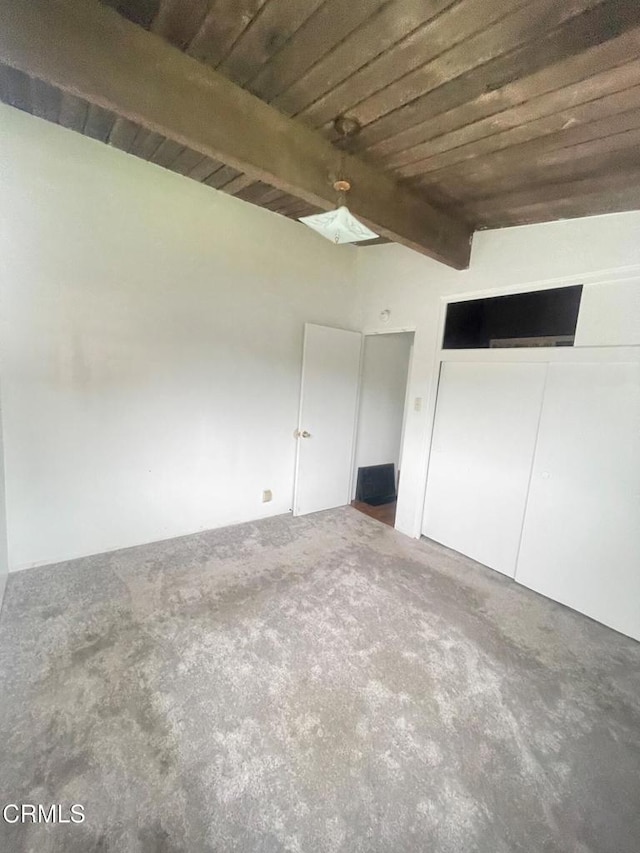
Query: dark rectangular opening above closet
x=534, y=319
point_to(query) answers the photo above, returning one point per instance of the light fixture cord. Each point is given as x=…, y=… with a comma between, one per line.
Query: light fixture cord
x=340, y=193
x=342, y=177
x=341, y=183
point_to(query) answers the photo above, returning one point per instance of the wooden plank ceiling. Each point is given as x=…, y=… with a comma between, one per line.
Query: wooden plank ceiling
x=501, y=112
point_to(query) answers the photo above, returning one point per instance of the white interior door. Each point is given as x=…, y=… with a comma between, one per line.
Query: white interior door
x=481, y=457
x=581, y=535
x=326, y=428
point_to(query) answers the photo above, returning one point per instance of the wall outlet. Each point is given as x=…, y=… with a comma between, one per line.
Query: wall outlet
x=417, y=405
x=267, y=496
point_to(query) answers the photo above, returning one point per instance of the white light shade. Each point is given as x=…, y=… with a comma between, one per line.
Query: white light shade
x=339, y=226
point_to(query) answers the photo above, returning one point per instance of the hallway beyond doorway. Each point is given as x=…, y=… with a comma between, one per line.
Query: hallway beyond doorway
x=386, y=513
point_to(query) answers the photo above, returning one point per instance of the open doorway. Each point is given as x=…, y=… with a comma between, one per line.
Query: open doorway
x=381, y=420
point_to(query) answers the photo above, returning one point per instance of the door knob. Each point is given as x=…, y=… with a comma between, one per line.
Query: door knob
x=305, y=434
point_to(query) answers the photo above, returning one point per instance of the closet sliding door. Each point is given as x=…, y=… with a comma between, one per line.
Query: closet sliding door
x=581, y=535
x=484, y=438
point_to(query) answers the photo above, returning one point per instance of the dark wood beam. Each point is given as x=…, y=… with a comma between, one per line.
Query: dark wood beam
x=90, y=51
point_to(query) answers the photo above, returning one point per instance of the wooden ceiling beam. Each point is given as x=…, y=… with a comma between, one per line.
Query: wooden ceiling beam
x=90, y=51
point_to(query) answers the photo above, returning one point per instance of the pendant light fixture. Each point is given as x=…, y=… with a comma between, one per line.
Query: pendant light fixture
x=340, y=225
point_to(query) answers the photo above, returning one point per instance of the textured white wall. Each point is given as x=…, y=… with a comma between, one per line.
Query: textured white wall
x=382, y=398
x=603, y=252
x=151, y=342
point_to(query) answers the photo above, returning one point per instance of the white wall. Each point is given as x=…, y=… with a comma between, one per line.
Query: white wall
x=151, y=334
x=383, y=386
x=602, y=252
x=151, y=342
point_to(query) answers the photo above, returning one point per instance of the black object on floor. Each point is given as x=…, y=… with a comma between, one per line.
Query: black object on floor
x=376, y=484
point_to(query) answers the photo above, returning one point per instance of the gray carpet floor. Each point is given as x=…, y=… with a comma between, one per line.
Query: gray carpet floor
x=314, y=685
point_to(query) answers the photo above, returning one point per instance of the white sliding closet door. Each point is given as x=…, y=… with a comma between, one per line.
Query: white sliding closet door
x=581, y=536
x=481, y=456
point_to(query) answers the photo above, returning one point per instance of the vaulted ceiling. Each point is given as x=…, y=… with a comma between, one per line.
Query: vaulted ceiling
x=494, y=112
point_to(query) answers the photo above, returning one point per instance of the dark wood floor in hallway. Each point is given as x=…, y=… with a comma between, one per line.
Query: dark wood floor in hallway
x=386, y=513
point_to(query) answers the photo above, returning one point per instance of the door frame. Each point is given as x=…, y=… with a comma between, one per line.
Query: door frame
x=406, y=408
